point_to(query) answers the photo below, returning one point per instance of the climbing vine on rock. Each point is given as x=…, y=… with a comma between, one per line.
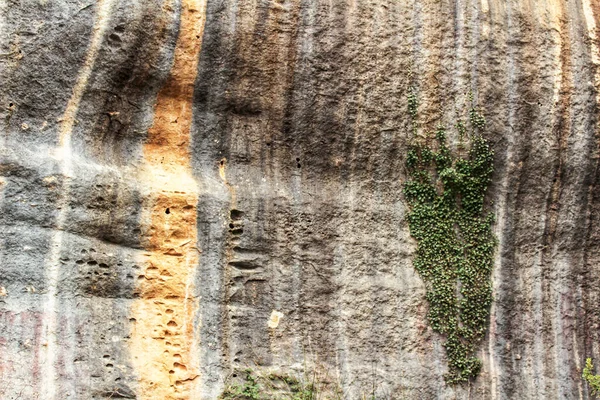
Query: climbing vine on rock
x=592, y=380
x=448, y=219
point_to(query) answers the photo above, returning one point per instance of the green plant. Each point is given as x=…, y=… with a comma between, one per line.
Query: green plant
x=249, y=390
x=297, y=389
x=445, y=194
x=592, y=380
x=257, y=386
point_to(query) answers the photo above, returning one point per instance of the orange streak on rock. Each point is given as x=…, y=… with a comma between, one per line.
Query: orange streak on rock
x=163, y=342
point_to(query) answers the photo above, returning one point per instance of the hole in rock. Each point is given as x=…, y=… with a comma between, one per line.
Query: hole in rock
x=231, y=226
x=168, y=211
x=152, y=270
x=179, y=366
x=299, y=166
x=10, y=104
x=236, y=214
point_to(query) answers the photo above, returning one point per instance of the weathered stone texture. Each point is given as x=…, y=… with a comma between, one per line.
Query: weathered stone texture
x=280, y=128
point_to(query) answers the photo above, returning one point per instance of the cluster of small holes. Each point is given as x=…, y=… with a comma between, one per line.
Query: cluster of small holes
x=115, y=38
x=100, y=276
x=236, y=223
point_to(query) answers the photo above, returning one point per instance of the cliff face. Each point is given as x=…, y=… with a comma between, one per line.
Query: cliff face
x=191, y=187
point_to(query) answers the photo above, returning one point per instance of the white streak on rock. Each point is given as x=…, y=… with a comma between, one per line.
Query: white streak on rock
x=64, y=153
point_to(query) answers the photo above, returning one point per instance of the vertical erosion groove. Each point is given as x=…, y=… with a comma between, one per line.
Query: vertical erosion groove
x=64, y=156
x=163, y=341
x=587, y=305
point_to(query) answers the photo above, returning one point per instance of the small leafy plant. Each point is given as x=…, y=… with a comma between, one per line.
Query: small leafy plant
x=448, y=219
x=592, y=380
x=256, y=386
x=249, y=390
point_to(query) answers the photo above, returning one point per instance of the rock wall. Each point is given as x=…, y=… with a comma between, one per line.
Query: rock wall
x=191, y=187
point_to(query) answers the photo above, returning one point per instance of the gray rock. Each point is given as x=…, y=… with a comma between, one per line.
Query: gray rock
x=296, y=122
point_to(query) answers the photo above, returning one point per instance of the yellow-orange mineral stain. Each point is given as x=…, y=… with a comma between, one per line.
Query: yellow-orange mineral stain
x=163, y=342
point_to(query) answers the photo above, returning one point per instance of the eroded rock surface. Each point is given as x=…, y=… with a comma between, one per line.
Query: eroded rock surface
x=190, y=187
